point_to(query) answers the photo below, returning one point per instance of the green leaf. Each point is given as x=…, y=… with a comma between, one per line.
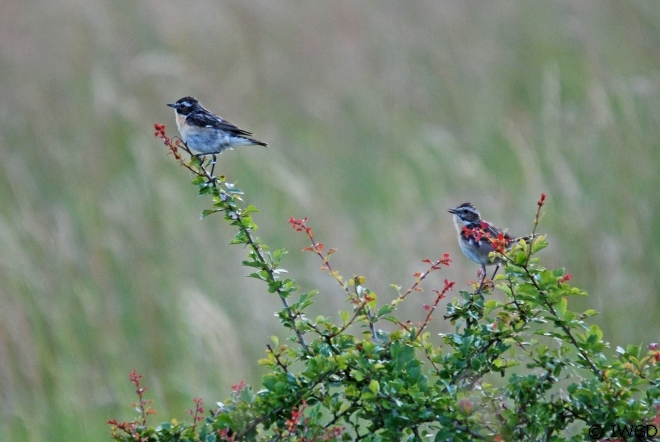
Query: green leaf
x=539, y=244
x=385, y=309
x=232, y=189
x=396, y=287
x=547, y=279
x=357, y=375
x=269, y=381
x=520, y=258
x=277, y=255
x=247, y=395
x=205, y=188
x=258, y=275
x=165, y=426
x=491, y=305
x=251, y=209
x=561, y=307
x=256, y=264
x=345, y=405
x=595, y=333
x=208, y=212
x=274, y=286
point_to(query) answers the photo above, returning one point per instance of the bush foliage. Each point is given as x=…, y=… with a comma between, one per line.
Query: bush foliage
x=519, y=365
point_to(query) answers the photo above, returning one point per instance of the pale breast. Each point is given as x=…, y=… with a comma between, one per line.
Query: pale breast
x=180, y=121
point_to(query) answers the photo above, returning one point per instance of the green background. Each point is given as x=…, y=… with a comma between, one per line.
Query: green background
x=381, y=115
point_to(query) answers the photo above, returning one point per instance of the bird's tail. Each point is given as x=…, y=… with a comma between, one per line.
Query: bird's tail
x=527, y=238
x=257, y=142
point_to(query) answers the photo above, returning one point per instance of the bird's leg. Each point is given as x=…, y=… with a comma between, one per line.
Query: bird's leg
x=483, y=278
x=497, y=267
x=202, y=157
x=213, y=165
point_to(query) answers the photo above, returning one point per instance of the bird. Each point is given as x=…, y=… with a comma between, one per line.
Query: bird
x=477, y=238
x=205, y=133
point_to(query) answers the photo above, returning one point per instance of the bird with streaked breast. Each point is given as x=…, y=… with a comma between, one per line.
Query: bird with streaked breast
x=476, y=237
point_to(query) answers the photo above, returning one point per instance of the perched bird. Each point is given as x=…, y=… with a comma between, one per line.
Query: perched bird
x=478, y=238
x=206, y=133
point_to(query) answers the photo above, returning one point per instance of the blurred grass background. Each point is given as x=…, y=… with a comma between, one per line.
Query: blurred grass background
x=381, y=116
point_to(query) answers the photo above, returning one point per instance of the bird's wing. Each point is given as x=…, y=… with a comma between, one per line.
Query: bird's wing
x=493, y=231
x=488, y=230
x=208, y=119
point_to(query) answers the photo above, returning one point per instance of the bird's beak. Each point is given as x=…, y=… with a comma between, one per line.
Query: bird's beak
x=172, y=105
x=452, y=211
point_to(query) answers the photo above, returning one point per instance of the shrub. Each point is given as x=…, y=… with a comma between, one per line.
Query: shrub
x=523, y=367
